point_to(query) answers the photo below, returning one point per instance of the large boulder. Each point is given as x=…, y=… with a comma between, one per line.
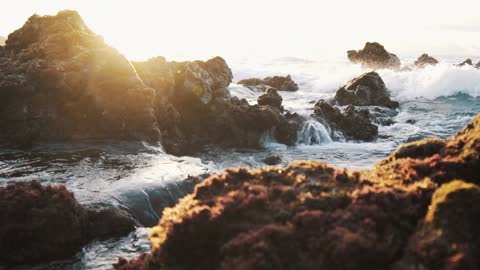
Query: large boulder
x=366, y=90
x=44, y=223
x=354, y=124
x=374, y=56
x=425, y=60
x=272, y=98
x=311, y=216
x=60, y=81
x=279, y=82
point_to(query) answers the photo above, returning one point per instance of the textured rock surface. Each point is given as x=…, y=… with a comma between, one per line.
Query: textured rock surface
x=60, y=81
x=355, y=124
x=279, y=82
x=365, y=90
x=374, y=56
x=425, y=60
x=43, y=223
x=311, y=216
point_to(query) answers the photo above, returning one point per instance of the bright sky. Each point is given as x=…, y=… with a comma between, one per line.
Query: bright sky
x=302, y=28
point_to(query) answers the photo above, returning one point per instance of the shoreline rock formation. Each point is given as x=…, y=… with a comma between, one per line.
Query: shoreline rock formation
x=59, y=81
x=425, y=60
x=413, y=210
x=43, y=223
x=374, y=56
x=278, y=82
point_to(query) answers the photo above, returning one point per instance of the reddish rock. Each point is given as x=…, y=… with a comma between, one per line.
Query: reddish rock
x=44, y=223
x=374, y=56
x=311, y=216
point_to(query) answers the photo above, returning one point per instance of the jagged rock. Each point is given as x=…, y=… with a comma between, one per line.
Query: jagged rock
x=60, y=81
x=468, y=62
x=353, y=123
x=311, y=216
x=272, y=160
x=279, y=82
x=44, y=223
x=365, y=90
x=272, y=98
x=425, y=60
x=374, y=56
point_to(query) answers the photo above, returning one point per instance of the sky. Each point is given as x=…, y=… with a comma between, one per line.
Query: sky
x=185, y=29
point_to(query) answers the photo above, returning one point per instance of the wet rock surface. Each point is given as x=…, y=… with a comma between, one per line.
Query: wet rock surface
x=44, y=223
x=365, y=90
x=279, y=82
x=374, y=56
x=355, y=124
x=425, y=60
x=310, y=216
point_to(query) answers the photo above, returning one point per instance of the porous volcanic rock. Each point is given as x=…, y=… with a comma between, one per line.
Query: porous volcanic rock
x=311, y=216
x=374, y=56
x=366, y=90
x=425, y=60
x=279, y=82
x=355, y=124
x=44, y=223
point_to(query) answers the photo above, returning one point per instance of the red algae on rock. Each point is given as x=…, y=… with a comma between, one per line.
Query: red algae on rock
x=311, y=216
x=43, y=223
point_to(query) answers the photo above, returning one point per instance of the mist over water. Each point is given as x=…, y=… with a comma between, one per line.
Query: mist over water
x=434, y=102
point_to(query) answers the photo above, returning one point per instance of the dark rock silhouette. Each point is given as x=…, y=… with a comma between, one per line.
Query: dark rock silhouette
x=310, y=216
x=355, y=124
x=425, y=60
x=374, y=56
x=365, y=90
x=467, y=62
x=44, y=223
x=272, y=160
x=279, y=82
x=272, y=98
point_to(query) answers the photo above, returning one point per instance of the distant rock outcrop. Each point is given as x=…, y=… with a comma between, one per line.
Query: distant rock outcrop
x=417, y=209
x=278, y=82
x=467, y=62
x=425, y=60
x=59, y=81
x=365, y=90
x=45, y=223
x=374, y=56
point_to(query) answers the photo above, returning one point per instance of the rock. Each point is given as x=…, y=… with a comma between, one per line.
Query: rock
x=44, y=223
x=411, y=121
x=353, y=123
x=425, y=60
x=448, y=237
x=278, y=82
x=405, y=69
x=365, y=90
x=271, y=98
x=468, y=62
x=477, y=66
x=60, y=82
x=311, y=216
x=374, y=56
x=272, y=160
